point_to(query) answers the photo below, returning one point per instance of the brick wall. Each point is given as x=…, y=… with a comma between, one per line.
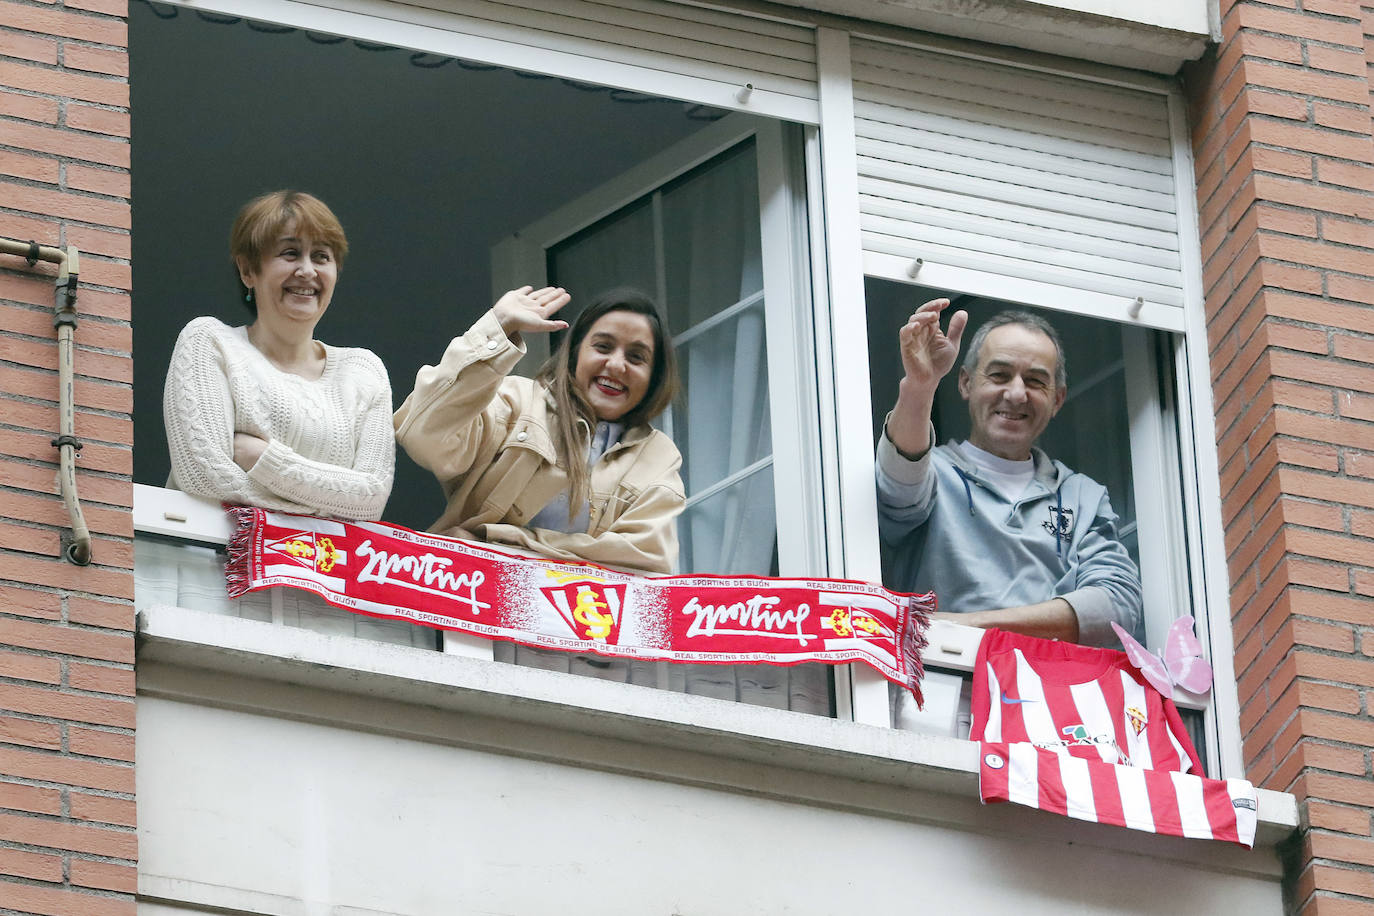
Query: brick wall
x=1281, y=132
x=67, y=842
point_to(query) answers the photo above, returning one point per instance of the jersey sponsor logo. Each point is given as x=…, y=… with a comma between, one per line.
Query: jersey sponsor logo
x=1246, y=803
x=1010, y=701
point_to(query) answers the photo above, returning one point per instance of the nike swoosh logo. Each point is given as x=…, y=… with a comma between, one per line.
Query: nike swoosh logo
x=1013, y=700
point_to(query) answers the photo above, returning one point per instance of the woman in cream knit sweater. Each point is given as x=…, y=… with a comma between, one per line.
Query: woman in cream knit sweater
x=265, y=415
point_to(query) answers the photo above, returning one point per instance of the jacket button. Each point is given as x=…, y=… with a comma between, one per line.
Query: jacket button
x=521, y=437
x=491, y=345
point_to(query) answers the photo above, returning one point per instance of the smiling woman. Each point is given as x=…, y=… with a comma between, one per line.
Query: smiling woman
x=266, y=415
x=564, y=464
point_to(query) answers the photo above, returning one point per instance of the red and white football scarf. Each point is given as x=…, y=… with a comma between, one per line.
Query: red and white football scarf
x=389, y=571
x=1077, y=731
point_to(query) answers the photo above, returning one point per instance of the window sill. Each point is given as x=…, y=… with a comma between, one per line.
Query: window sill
x=196, y=657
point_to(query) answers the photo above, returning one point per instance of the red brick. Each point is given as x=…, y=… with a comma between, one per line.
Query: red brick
x=1331, y=787
x=67, y=206
x=1311, y=426
x=1338, y=60
x=104, y=875
x=118, y=8
x=44, y=832
x=1265, y=19
x=106, y=273
x=90, y=742
x=1347, y=232
x=115, y=63
x=104, y=809
x=1359, y=464
x=1302, y=194
x=30, y=603
x=34, y=168
x=40, y=668
x=28, y=107
x=1355, y=406
x=16, y=863
x=81, y=643
x=1331, y=607
x=1283, y=162
x=29, y=898
x=1292, y=222
x=50, y=511
x=1349, y=118
x=1328, y=546
x=89, y=426
x=1341, y=880
x=1306, y=82
x=99, y=89
x=1332, y=727
x=100, y=241
x=97, y=613
x=18, y=797
x=98, y=120
x=1357, y=348
x=1350, y=174
x=28, y=47
x=1337, y=817
x=29, y=733
x=1355, y=850
x=1276, y=105
x=111, y=679
x=63, y=24
x=1323, y=636
x=39, y=701
x=1328, y=696
x=112, y=460
x=1334, y=668
x=101, y=181
x=28, y=539
x=67, y=143
x=72, y=771
x=1304, y=397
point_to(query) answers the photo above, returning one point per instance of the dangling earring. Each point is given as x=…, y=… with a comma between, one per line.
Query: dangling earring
x=248, y=297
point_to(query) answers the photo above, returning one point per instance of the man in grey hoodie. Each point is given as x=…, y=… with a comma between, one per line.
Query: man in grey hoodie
x=1005, y=536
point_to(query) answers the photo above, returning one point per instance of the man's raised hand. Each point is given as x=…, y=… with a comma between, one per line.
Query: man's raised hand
x=927, y=352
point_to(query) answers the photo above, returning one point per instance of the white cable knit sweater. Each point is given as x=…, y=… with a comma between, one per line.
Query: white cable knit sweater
x=330, y=452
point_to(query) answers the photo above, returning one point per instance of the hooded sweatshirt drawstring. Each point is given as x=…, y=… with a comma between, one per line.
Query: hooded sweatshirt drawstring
x=968, y=490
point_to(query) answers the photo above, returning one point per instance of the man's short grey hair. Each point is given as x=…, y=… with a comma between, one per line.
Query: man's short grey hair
x=1026, y=319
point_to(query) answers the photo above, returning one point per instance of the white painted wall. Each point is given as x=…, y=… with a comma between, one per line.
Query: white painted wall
x=266, y=814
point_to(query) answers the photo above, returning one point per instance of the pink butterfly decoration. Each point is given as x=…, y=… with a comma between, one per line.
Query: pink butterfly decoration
x=1182, y=662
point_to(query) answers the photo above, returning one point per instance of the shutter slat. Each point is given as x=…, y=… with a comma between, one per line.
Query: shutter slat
x=926, y=160
x=1040, y=253
x=935, y=208
x=1051, y=154
x=985, y=194
x=1014, y=89
x=909, y=249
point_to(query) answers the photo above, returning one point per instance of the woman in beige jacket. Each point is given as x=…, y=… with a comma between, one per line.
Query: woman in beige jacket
x=565, y=464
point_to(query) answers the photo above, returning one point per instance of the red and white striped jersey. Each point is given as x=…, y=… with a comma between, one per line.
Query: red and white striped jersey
x=1076, y=730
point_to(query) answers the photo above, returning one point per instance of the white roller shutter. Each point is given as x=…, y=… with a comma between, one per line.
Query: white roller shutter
x=1017, y=173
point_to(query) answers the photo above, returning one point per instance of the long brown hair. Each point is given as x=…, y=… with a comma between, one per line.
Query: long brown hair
x=559, y=371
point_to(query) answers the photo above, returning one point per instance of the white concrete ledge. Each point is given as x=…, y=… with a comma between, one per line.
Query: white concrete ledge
x=345, y=682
